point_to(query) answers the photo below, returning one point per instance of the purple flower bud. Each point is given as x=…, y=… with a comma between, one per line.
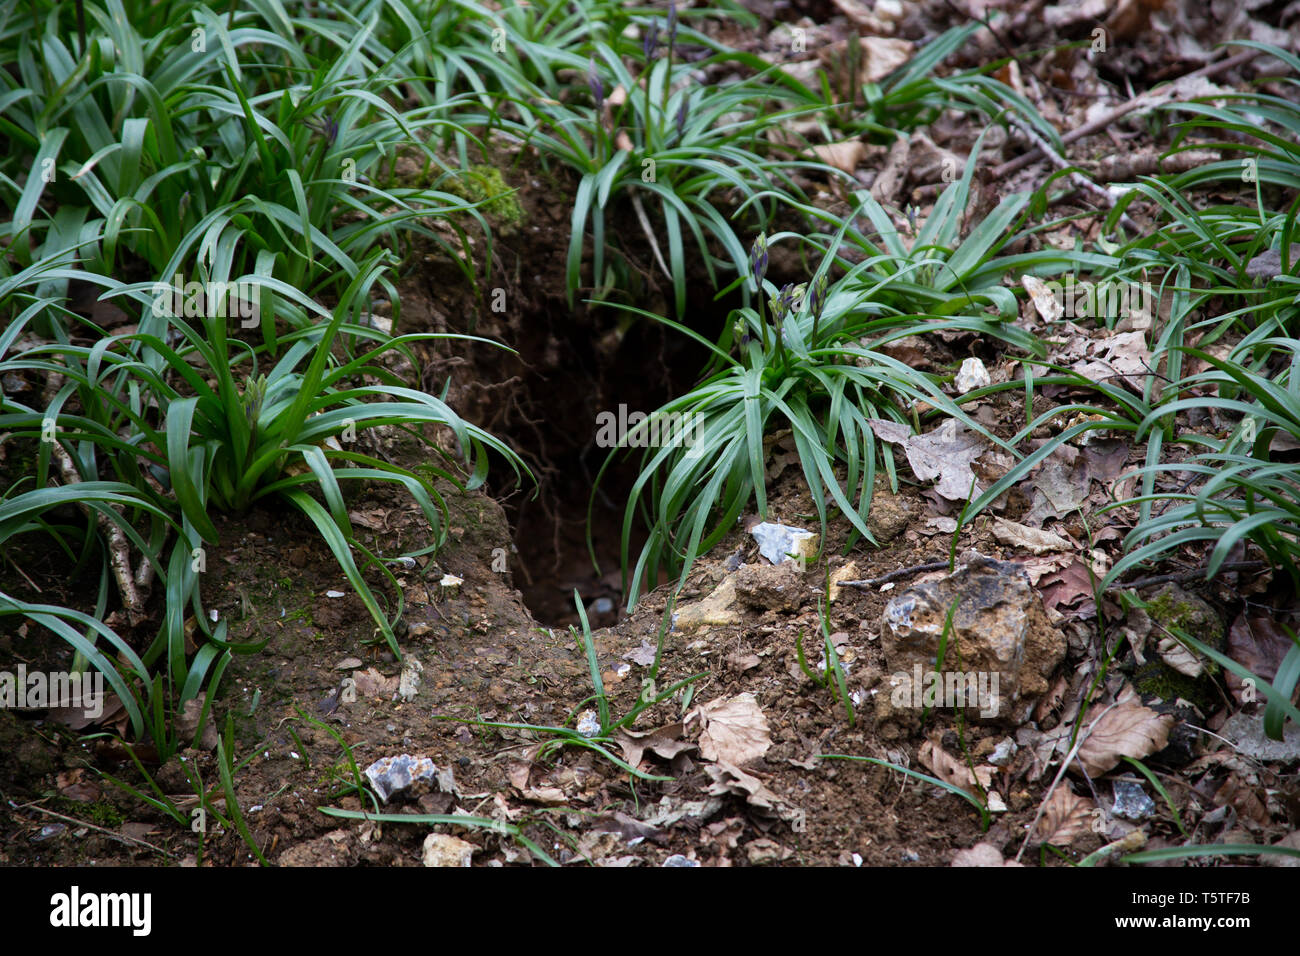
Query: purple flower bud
x=672, y=26
x=788, y=295
x=817, y=298
x=325, y=126
x=597, y=87
x=650, y=41
x=758, y=259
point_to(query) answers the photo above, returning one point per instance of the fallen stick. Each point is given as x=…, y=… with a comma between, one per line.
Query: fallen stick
x=1148, y=98
x=1081, y=181
x=894, y=575
x=119, y=549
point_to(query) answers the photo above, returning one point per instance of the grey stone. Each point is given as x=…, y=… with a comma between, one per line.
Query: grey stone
x=1000, y=640
x=1246, y=732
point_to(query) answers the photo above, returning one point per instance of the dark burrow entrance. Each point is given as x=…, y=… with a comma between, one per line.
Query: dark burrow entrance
x=574, y=366
x=570, y=364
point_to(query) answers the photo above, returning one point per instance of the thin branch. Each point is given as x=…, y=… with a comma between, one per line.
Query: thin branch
x=895, y=575
x=1189, y=575
x=120, y=837
x=1065, y=765
x=1143, y=99
x=1079, y=180
x=119, y=549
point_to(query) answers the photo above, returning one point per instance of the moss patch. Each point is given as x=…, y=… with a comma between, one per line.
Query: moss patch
x=1176, y=610
x=485, y=184
x=1158, y=679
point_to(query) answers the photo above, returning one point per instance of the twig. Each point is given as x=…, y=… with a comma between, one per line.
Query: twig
x=1189, y=575
x=1065, y=765
x=894, y=575
x=649, y=234
x=119, y=549
x=120, y=837
x=1143, y=99
x=1081, y=181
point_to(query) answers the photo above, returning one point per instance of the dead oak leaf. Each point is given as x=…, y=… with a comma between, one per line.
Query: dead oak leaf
x=1033, y=540
x=1066, y=817
x=844, y=156
x=945, y=452
x=733, y=730
x=665, y=741
x=1257, y=643
x=371, y=683
x=981, y=854
x=951, y=770
x=728, y=778
x=1125, y=730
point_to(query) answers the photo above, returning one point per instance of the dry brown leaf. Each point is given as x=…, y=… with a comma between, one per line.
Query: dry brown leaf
x=1060, y=486
x=1174, y=653
x=952, y=770
x=1123, y=357
x=981, y=854
x=890, y=178
x=666, y=741
x=1045, y=303
x=945, y=452
x=844, y=156
x=1069, y=590
x=187, y=723
x=375, y=519
x=1033, y=540
x=1125, y=730
x=1292, y=842
x=112, y=714
x=1257, y=643
x=733, y=730
x=728, y=778
x=371, y=683
x=1066, y=817
x=882, y=56
x=518, y=774
x=1244, y=797
x=548, y=796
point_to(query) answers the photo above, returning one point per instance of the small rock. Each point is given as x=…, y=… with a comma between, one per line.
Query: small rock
x=775, y=587
x=441, y=849
x=1000, y=634
x=716, y=610
x=763, y=851
x=1265, y=266
x=777, y=542
x=1131, y=802
x=971, y=376
x=1003, y=753
x=888, y=517
x=389, y=775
